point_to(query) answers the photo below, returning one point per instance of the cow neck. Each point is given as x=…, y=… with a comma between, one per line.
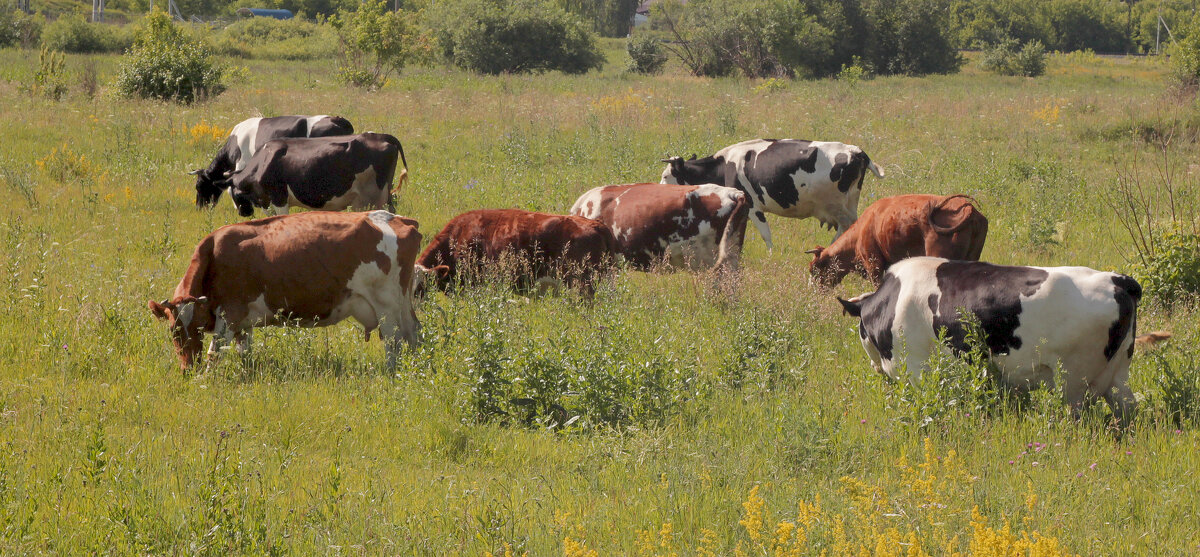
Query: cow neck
x=192, y=283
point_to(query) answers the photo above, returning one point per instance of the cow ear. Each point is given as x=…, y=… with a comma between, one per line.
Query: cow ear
x=196, y=171
x=851, y=307
x=441, y=271
x=815, y=252
x=160, y=309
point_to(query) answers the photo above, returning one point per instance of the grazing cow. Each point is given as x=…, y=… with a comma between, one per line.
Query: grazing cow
x=327, y=173
x=545, y=246
x=692, y=227
x=1033, y=319
x=314, y=269
x=248, y=137
x=787, y=177
x=900, y=227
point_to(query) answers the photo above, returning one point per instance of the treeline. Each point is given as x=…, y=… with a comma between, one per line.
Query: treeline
x=1106, y=26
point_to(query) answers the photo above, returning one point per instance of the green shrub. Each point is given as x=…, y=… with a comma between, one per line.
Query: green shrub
x=72, y=33
x=1176, y=373
x=513, y=36
x=165, y=63
x=50, y=79
x=375, y=42
x=1185, y=58
x=275, y=39
x=609, y=18
x=1172, y=270
x=1005, y=58
x=646, y=55
x=19, y=29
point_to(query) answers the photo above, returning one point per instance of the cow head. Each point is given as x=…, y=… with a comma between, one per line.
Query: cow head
x=438, y=275
x=690, y=171
x=245, y=198
x=208, y=188
x=188, y=318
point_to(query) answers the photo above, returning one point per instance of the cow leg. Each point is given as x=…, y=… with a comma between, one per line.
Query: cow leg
x=760, y=222
x=222, y=334
x=394, y=329
x=844, y=220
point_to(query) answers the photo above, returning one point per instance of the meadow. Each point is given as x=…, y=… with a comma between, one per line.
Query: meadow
x=662, y=419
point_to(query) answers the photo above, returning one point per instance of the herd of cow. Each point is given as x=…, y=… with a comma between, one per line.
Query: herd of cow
x=922, y=252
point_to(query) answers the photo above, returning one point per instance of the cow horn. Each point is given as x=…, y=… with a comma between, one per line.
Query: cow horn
x=693, y=157
x=815, y=251
x=196, y=171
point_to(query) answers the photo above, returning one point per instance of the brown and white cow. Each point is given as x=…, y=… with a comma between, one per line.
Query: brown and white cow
x=312, y=269
x=546, y=247
x=325, y=173
x=900, y=227
x=691, y=227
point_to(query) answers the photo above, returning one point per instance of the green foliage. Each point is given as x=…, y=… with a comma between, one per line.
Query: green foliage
x=18, y=28
x=164, y=63
x=1176, y=373
x=274, y=39
x=513, y=36
x=1185, y=59
x=376, y=42
x=1007, y=57
x=954, y=384
x=854, y=72
x=72, y=33
x=609, y=18
x=50, y=78
x=1172, y=271
x=646, y=55
x=1062, y=25
x=811, y=38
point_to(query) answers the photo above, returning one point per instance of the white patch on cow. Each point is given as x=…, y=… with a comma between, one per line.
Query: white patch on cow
x=312, y=121
x=184, y=315
x=258, y=313
x=389, y=244
x=245, y=134
x=588, y=204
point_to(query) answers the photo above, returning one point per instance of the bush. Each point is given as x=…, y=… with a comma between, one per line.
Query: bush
x=375, y=42
x=73, y=33
x=1005, y=58
x=275, y=39
x=513, y=36
x=784, y=38
x=1176, y=373
x=646, y=55
x=164, y=63
x=50, y=79
x=1172, y=271
x=1185, y=59
x=19, y=29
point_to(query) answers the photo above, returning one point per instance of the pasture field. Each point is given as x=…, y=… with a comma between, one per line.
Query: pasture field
x=702, y=424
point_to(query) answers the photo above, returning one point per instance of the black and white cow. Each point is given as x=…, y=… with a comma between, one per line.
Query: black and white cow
x=1033, y=318
x=327, y=173
x=787, y=177
x=248, y=137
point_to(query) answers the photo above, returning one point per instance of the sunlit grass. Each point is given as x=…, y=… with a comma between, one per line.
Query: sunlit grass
x=757, y=421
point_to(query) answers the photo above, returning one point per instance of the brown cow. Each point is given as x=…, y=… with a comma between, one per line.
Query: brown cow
x=899, y=227
x=693, y=227
x=545, y=246
x=312, y=269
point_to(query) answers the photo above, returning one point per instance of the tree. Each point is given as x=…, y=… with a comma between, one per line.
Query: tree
x=375, y=42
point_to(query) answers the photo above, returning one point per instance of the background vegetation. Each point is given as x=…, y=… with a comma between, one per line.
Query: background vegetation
x=664, y=418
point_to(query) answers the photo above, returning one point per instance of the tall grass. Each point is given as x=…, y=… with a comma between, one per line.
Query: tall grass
x=704, y=423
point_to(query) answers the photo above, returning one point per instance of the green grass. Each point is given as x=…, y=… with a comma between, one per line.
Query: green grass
x=308, y=446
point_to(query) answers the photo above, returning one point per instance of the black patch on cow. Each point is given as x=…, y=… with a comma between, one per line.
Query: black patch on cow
x=1127, y=292
x=760, y=216
x=280, y=126
x=331, y=125
x=992, y=292
x=877, y=314
x=772, y=169
x=848, y=170
x=731, y=179
x=695, y=172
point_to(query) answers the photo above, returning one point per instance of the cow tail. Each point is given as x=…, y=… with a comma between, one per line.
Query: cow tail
x=730, y=248
x=878, y=170
x=935, y=207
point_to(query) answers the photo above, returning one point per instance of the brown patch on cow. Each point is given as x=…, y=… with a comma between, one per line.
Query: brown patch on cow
x=533, y=246
x=301, y=265
x=899, y=227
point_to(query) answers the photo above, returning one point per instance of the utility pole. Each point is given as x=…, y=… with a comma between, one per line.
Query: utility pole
x=97, y=11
